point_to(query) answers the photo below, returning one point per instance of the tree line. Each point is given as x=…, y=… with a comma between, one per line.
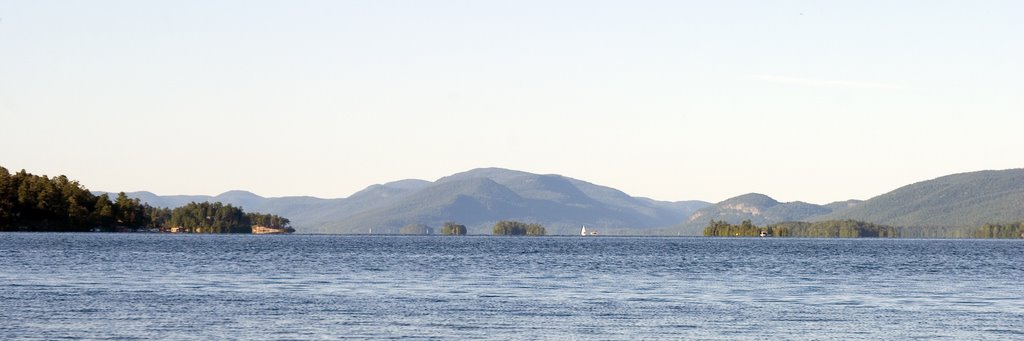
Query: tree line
x=216, y=217
x=859, y=229
x=502, y=228
x=721, y=228
x=515, y=228
x=821, y=229
x=39, y=203
x=452, y=229
x=1015, y=230
x=834, y=229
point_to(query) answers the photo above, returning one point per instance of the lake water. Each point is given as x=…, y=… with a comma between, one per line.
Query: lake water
x=160, y=286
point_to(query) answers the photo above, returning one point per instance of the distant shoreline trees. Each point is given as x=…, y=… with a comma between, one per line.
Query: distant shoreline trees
x=452, y=229
x=1001, y=231
x=39, y=203
x=860, y=229
x=269, y=220
x=821, y=229
x=515, y=228
x=419, y=229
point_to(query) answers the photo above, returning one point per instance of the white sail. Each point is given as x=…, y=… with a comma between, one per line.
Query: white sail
x=583, y=232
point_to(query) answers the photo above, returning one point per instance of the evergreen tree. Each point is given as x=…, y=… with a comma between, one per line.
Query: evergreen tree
x=103, y=213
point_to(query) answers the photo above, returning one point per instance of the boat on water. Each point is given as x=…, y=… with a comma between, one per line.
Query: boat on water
x=583, y=232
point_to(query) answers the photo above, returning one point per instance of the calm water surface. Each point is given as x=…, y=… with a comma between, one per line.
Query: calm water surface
x=158, y=286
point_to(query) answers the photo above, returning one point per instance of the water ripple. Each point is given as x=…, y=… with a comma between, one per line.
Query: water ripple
x=153, y=286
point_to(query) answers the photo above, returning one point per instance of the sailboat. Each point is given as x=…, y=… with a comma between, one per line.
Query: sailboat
x=583, y=232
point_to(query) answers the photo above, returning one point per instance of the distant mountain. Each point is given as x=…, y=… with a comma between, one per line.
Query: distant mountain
x=842, y=205
x=480, y=197
x=301, y=210
x=760, y=209
x=958, y=200
x=466, y=201
x=477, y=198
x=161, y=201
x=966, y=199
x=408, y=184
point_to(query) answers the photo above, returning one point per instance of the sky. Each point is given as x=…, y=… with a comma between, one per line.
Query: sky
x=816, y=101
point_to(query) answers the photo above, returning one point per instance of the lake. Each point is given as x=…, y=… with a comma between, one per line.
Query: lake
x=163, y=286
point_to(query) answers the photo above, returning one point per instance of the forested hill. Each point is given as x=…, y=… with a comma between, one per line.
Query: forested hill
x=31, y=202
x=757, y=208
x=966, y=199
x=960, y=200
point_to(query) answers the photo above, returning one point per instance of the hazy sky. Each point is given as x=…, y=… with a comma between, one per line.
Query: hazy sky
x=801, y=100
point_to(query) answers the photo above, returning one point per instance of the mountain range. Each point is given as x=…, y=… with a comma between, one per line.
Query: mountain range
x=958, y=200
x=480, y=197
x=477, y=198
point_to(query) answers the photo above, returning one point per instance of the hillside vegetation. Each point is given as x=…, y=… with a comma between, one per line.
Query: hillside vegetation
x=31, y=202
x=758, y=209
x=967, y=199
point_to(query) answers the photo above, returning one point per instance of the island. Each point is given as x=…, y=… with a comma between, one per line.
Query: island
x=452, y=228
x=515, y=228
